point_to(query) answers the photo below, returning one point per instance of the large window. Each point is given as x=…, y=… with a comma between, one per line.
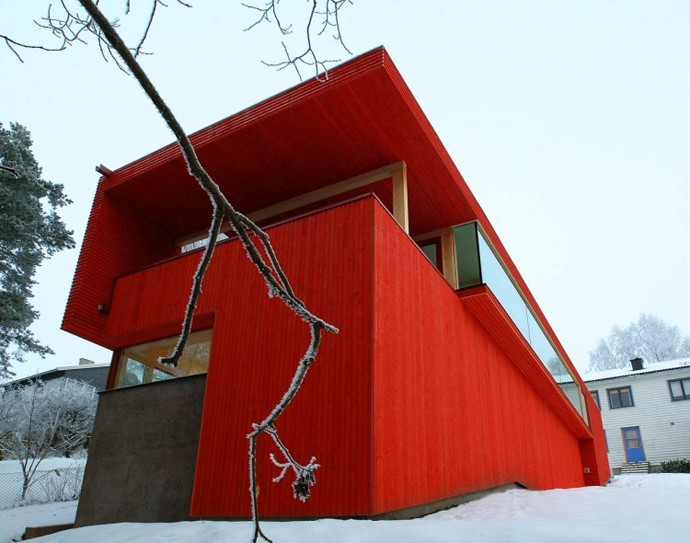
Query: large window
x=620, y=397
x=139, y=363
x=478, y=263
x=680, y=389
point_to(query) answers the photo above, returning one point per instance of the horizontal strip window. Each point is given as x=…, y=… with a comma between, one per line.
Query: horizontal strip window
x=620, y=397
x=139, y=364
x=478, y=263
x=680, y=389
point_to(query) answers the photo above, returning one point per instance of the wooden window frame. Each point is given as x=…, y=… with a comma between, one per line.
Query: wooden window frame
x=151, y=368
x=396, y=171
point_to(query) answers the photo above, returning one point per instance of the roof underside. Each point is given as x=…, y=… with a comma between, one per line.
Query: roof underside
x=318, y=133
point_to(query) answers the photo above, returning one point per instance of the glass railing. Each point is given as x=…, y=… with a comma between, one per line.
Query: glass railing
x=477, y=264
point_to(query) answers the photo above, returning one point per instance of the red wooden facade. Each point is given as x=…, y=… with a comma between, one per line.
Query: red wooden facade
x=427, y=393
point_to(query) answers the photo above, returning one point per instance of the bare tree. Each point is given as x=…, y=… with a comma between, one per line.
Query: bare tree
x=649, y=338
x=40, y=420
x=318, y=17
x=69, y=26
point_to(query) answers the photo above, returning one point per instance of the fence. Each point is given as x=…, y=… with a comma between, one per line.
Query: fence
x=52, y=485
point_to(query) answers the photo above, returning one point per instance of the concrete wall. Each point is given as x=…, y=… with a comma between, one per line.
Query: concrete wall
x=142, y=453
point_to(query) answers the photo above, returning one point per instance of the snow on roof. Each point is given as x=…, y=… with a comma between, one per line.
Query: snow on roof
x=649, y=367
x=40, y=375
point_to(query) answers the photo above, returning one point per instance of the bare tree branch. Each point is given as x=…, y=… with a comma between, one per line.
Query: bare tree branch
x=307, y=55
x=13, y=44
x=68, y=27
x=137, y=50
x=174, y=358
x=271, y=271
x=332, y=19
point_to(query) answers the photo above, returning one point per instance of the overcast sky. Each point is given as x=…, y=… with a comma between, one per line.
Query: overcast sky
x=570, y=121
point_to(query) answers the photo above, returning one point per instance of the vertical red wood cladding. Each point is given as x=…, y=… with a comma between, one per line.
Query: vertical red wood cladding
x=256, y=345
x=452, y=414
x=118, y=240
x=593, y=451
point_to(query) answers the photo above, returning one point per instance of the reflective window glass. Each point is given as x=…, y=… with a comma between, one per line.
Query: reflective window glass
x=620, y=397
x=680, y=389
x=467, y=255
x=431, y=252
x=139, y=363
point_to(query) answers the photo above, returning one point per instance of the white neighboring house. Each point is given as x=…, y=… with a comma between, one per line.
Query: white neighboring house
x=645, y=410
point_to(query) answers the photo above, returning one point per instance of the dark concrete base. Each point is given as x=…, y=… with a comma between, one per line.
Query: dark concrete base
x=33, y=532
x=142, y=453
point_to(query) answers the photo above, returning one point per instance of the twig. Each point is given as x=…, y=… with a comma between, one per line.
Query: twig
x=174, y=358
x=305, y=477
x=307, y=56
x=276, y=280
x=69, y=27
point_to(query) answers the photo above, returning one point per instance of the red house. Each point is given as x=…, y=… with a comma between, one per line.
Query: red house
x=445, y=379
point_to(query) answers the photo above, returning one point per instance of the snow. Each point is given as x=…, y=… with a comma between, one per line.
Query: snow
x=55, y=479
x=649, y=367
x=632, y=508
x=12, y=466
x=13, y=522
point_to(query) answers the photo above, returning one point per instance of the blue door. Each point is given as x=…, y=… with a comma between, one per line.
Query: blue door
x=633, y=444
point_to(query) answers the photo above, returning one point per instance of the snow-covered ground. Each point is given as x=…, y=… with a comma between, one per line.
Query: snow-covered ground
x=633, y=508
x=12, y=466
x=55, y=479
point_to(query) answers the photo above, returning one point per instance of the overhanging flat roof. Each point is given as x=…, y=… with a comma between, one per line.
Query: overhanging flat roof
x=362, y=118
x=313, y=135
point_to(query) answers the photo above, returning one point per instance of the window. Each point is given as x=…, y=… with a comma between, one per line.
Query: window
x=479, y=263
x=595, y=395
x=620, y=397
x=680, y=389
x=432, y=249
x=202, y=242
x=139, y=363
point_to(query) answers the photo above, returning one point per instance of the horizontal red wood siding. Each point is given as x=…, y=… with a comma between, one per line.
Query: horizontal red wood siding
x=452, y=412
x=118, y=240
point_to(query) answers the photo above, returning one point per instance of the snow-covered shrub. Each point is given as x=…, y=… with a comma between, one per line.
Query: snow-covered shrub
x=60, y=484
x=39, y=420
x=678, y=465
